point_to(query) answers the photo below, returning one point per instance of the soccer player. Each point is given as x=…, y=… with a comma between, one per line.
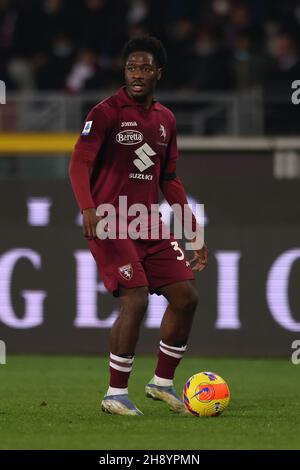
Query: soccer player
x=128, y=148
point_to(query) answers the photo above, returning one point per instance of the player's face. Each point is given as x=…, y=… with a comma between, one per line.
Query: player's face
x=141, y=75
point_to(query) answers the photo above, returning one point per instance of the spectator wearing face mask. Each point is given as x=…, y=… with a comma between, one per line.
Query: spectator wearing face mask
x=211, y=63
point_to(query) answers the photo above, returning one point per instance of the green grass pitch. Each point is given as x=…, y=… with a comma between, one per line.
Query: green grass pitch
x=53, y=402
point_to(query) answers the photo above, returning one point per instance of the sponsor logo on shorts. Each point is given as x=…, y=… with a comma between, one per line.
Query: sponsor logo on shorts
x=126, y=271
x=129, y=137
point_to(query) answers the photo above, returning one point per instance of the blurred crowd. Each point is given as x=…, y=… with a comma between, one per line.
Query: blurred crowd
x=76, y=45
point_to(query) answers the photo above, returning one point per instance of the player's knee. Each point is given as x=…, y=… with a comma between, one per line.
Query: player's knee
x=140, y=302
x=191, y=301
x=188, y=300
x=137, y=303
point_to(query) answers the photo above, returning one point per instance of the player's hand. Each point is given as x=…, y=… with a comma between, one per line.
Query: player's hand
x=90, y=221
x=200, y=259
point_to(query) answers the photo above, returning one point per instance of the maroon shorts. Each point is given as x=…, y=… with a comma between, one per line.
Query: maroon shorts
x=135, y=263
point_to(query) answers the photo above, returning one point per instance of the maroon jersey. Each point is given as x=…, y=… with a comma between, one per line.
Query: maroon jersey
x=126, y=150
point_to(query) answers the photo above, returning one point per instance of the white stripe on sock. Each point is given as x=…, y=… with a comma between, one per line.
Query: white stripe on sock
x=169, y=353
x=116, y=391
x=126, y=360
x=181, y=349
x=162, y=382
x=120, y=368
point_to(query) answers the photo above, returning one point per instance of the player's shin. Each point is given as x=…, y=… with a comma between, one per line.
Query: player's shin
x=169, y=358
x=116, y=400
x=120, y=368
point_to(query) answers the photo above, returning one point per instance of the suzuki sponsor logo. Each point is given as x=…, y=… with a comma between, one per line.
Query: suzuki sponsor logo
x=140, y=176
x=129, y=137
x=144, y=161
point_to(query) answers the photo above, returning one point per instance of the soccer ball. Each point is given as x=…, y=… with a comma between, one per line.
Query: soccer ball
x=206, y=394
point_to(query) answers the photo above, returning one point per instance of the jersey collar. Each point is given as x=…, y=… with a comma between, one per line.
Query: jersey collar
x=126, y=100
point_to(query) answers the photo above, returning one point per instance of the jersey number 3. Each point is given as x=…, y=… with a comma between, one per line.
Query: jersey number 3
x=177, y=248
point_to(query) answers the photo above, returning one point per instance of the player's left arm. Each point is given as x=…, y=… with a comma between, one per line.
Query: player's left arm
x=174, y=192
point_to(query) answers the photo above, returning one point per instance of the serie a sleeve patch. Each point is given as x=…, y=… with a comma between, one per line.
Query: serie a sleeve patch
x=87, y=128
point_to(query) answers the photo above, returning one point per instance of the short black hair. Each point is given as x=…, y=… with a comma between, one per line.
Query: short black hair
x=148, y=44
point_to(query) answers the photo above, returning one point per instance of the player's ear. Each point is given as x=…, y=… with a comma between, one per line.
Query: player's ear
x=159, y=72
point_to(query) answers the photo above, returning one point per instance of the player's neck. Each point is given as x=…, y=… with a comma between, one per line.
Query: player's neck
x=146, y=103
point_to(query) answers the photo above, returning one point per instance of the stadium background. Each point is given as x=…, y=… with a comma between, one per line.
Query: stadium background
x=229, y=82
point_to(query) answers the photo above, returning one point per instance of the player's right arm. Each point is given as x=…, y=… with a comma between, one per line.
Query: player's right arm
x=82, y=162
